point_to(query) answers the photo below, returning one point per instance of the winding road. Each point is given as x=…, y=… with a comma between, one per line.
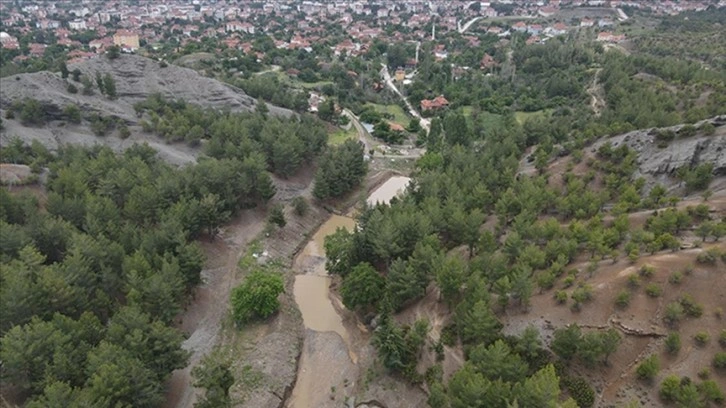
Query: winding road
x=462, y=29
x=597, y=103
x=425, y=123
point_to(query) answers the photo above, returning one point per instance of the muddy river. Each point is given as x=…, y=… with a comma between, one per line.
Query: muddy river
x=323, y=364
x=386, y=191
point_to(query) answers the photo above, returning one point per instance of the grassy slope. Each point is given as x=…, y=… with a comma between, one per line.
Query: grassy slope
x=399, y=116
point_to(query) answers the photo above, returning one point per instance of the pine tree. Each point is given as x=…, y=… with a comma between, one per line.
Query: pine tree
x=109, y=86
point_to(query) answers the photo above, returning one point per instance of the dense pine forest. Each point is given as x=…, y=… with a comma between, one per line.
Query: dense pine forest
x=524, y=192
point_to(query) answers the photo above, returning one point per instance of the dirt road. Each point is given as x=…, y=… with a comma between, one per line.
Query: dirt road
x=425, y=123
x=202, y=319
x=597, y=102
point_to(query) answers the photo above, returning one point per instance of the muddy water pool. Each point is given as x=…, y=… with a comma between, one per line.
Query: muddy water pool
x=312, y=294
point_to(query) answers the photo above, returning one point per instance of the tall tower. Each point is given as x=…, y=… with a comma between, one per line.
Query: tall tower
x=433, y=31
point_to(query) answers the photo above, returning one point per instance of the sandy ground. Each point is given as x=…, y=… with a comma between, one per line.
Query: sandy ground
x=641, y=323
x=14, y=174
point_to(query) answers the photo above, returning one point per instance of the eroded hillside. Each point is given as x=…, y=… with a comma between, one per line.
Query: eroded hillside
x=136, y=78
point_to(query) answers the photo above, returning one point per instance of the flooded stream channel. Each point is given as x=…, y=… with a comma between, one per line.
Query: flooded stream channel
x=329, y=357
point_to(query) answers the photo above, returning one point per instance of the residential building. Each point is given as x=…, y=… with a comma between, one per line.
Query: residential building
x=77, y=25
x=127, y=40
x=434, y=104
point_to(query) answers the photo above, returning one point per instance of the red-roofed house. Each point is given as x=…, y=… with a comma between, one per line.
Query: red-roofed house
x=100, y=43
x=37, y=50
x=519, y=26
x=434, y=104
x=345, y=48
x=559, y=29
x=8, y=41
x=547, y=11
x=487, y=62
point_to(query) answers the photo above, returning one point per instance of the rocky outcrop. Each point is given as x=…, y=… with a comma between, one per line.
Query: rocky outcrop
x=136, y=78
x=657, y=164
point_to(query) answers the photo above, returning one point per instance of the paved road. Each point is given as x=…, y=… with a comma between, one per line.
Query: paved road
x=466, y=26
x=425, y=123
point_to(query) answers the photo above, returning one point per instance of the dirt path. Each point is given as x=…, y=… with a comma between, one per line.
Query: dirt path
x=597, y=102
x=425, y=123
x=203, y=317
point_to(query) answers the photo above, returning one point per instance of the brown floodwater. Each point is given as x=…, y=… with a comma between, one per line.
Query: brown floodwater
x=312, y=294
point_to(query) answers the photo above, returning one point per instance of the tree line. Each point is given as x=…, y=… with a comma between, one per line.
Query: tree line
x=536, y=228
x=283, y=144
x=93, y=277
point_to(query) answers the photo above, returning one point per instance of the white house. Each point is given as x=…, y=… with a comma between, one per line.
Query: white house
x=77, y=25
x=236, y=26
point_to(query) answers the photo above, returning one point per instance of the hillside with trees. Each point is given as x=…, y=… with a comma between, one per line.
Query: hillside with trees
x=559, y=244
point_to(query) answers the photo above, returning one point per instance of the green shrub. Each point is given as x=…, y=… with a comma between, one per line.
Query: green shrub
x=690, y=307
x=633, y=255
x=646, y=271
x=673, y=313
x=670, y=388
x=546, y=280
x=580, y=390
x=687, y=131
x=722, y=338
x=568, y=281
x=561, y=297
x=653, y=290
x=300, y=206
x=648, y=369
x=664, y=135
x=582, y=294
x=622, y=299
x=675, y=278
x=711, y=392
x=708, y=129
x=673, y=343
x=72, y=113
x=709, y=257
x=123, y=131
x=633, y=281
x=702, y=338
x=31, y=112
x=719, y=360
x=256, y=297
x=277, y=216
x=448, y=335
